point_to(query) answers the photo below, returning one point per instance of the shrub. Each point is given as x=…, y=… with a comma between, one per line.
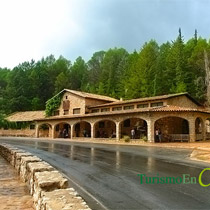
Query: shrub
x=144, y=138
x=126, y=138
x=52, y=104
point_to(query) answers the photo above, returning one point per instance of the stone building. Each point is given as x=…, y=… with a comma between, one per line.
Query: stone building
x=174, y=117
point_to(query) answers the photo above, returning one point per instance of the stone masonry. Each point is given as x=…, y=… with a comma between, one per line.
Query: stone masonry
x=78, y=109
x=48, y=187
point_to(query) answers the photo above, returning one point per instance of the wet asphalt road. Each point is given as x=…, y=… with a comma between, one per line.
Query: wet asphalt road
x=106, y=175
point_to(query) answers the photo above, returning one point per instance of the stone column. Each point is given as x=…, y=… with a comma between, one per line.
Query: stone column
x=92, y=130
x=37, y=131
x=192, y=129
x=72, y=131
x=150, y=130
x=118, y=131
x=53, y=131
x=204, y=130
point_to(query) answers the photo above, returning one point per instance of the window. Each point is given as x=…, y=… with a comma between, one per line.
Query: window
x=66, y=97
x=56, y=113
x=76, y=111
x=95, y=110
x=32, y=127
x=105, y=109
x=142, y=105
x=117, y=108
x=66, y=104
x=128, y=107
x=157, y=104
x=66, y=112
x=127, y=123
x=101, y=124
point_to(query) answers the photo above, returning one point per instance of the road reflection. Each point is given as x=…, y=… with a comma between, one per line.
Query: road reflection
x=96, y=156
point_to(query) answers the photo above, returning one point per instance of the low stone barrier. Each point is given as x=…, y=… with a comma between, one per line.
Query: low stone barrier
x=32, y=168
x=48, y=186
x=24, y=163
x=17, y=159
x=56, y=199
x=201, y=154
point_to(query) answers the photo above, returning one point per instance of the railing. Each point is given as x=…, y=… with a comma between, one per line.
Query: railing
x=199, y=136
x=179, y=137
x=207, y=136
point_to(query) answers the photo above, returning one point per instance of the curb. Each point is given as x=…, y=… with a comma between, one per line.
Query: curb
x=48, y=187
x=201, y=154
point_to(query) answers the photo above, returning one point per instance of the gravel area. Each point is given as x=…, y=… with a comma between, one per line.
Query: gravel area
x=14, y=194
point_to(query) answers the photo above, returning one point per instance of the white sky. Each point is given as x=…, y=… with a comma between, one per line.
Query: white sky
x=31, y=29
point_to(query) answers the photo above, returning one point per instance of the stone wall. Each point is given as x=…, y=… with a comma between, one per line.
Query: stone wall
x=48, y=186
x=182, y=101
x=94, y=102
x=150, y=117
x=27, y=132
x=75, y=102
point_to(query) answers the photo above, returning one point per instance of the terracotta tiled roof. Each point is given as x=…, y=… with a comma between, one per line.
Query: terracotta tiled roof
x=154, y=98
x=40, y=115
x=89, y=95
x=169, y=108
x=26, y=116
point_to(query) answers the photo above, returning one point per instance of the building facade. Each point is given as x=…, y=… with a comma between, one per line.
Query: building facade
x=174, y=117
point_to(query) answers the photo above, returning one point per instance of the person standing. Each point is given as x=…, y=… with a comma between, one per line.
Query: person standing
x=84, y=133
x=132, y=134
x=65, y=134
x=156, y=135
x=159, y=135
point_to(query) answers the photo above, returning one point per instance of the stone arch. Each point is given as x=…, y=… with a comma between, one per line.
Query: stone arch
x=45, y=130
x=138, y=124
x=172, y=115
x=104, y=128
x=82, y=129
x=62, y=130
x=171, y=128
x=207, y=124
x=199, y=129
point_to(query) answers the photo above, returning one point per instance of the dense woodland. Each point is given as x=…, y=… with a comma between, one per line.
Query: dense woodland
x=172, y=67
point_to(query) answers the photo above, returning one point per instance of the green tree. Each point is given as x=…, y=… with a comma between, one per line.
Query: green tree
x=60, y=74
x=142, y=72
x=94, y=67
x=78, y=74
x=62, y=81
x=196, y=64
x=112, y=69
x=17, y=93
x=177, y=65
x=164, y=76
x=3, y=84
x=42, y=86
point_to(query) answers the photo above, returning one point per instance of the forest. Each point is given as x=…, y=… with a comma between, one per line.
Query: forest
x=172, y=67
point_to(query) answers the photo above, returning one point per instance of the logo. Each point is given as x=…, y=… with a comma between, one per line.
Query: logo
x=200, y=178
x=184, y=179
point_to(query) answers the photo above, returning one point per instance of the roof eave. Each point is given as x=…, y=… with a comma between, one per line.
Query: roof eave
x=120, y=113
x=67, y=90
